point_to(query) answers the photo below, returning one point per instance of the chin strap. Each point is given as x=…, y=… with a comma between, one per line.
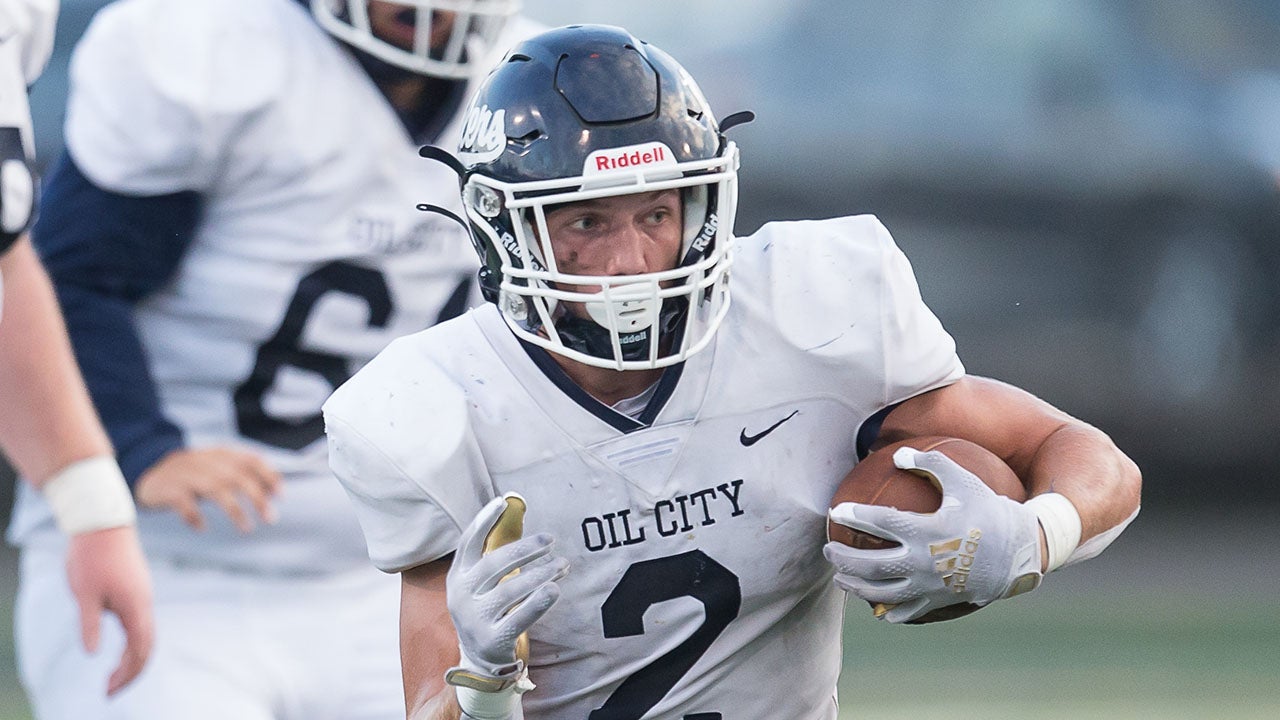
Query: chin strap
x=589, y=337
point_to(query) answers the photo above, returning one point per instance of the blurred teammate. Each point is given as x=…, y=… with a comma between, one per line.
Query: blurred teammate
x=48, y=428
x=231, y=233
x=679, y=450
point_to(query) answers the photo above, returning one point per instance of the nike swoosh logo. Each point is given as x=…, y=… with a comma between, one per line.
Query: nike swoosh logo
x=749, y=440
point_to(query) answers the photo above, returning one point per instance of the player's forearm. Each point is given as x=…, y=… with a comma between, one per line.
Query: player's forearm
x=105, y=252
x=48, y=421
x=443, y=706
x=1083, y=464
x=428, y=643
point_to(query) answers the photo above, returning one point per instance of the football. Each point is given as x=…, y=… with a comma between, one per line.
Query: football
x=877, y=481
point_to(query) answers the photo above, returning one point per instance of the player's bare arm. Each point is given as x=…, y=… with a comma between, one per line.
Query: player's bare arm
x=1082, y=492
x=108, y=573
x=428, y=643
x=227, y=476
x=48, y=421
x=51, y=434
x=1048, y=449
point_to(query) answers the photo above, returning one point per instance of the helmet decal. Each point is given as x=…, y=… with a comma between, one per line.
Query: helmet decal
x=483, y=135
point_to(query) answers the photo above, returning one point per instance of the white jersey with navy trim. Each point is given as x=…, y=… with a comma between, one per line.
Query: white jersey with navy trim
x=310, y=255
x=697, y=582
x=15, y=138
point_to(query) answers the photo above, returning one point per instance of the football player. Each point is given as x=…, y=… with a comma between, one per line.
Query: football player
x=677, y=444
x=232, y=232
x=47, y=424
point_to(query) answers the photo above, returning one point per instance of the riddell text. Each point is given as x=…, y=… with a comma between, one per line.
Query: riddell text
x=631, y=159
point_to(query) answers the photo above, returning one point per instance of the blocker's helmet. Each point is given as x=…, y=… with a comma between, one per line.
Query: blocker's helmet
x=473, y=25
x=585, y=112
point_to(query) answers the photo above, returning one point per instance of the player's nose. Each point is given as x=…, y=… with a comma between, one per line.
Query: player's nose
x=627, y=251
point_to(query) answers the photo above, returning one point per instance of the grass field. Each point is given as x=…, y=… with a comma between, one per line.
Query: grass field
x=1153, y=629
x=1124, y=655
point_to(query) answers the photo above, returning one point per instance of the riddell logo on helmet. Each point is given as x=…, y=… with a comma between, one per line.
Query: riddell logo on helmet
x=514, y=252
x=706, y=234
x=654, y=154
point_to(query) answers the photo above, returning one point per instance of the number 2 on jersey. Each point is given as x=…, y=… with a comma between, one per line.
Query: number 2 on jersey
x=692, y=574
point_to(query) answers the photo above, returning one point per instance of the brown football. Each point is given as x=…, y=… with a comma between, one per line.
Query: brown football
x=877, y=481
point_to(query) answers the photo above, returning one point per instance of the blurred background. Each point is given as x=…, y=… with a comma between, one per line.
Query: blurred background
x=1089, y=192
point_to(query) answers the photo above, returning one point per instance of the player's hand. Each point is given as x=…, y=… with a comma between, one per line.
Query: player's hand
x=107, y=572
x=978, y=547
x=227, y=476
x=488, y=614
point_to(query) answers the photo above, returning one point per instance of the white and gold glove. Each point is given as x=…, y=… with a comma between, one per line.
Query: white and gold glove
x=498, y=586
x=978, y=547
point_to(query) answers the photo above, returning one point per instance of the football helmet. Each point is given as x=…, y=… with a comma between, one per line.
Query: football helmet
x=585, y=112
x=469, y=28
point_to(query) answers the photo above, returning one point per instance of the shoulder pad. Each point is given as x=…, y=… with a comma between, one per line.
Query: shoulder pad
x=157, y=86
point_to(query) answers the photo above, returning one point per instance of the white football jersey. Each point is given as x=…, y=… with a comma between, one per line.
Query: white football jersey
x=15, y=118
x=27, y=27
x=310, y=255
x=697, y=583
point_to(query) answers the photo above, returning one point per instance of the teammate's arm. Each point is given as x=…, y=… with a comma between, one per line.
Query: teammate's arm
x=1051, y=451
x=48, y=428
x=49, y=431
x=106, y=252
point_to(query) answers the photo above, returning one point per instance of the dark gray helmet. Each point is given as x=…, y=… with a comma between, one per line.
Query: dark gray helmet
x=585, y=112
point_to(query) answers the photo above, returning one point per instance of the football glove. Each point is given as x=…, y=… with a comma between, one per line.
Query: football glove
x=978, y=547
x=494, y=597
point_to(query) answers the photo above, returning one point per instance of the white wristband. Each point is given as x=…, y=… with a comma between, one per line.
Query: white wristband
x=1061, y=524
x=90, y=495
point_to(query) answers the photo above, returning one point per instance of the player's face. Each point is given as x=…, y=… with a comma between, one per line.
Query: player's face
x=620, y=235
x=395, y=23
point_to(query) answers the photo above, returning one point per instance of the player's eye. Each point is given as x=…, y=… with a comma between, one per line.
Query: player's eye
x=658, y=216
x=585, y=223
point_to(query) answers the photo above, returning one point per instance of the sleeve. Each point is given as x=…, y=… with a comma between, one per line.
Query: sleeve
x=17, y=188
x=159, y=91
x=28, y=26
x=104, y=253
x=844, y=296
x=402, y=445
x=17, y=184
x=919, y=354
